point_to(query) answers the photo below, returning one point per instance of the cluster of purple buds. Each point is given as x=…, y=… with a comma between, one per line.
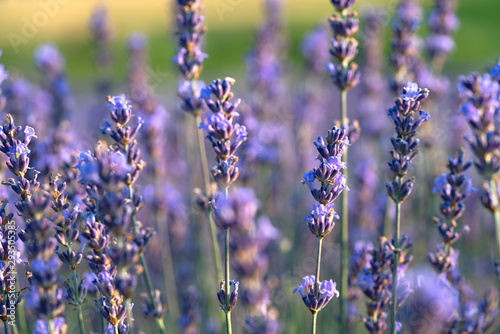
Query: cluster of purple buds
x=480, y=108
x=332, y=181
x=109, y=175
x=190, y=33
x=316, y=301
x=45, y=298
x=233, y=297
x=442, y=23
x=375, y=281
x=405, y=145
x=404, y=47
x=344, y=48
x=16, y=150
x=453, y=188
x=224, y=135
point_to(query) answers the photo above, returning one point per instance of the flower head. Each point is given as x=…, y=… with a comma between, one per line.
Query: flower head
x=316, y=301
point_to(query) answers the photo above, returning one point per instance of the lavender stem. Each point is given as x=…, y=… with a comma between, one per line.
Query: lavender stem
x=50, y=325
x=79, y=307
x=227, y=282
x=206, y=183
x=317, y=282
x=344, y=242
x=318, y=266
x=397, y=223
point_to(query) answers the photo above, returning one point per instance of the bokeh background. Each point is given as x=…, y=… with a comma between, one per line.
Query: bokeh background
x=231, y=25
x=231, y=33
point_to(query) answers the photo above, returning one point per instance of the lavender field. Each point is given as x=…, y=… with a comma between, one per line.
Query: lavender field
x=260, y=167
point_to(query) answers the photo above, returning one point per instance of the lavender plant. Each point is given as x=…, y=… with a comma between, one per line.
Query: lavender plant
x=480, y=108
x=191, y=29
x=320, y=220
x=405, y=148
x=109, y=176
x=154, y=133
x=345, y=75
x=45, y=297
x=453, y=188
x=225, y=138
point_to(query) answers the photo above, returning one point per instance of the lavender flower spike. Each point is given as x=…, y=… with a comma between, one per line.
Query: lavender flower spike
x=405, y=148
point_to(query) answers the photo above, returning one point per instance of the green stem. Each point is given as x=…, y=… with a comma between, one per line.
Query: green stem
x=344, y=242
x=313, y=326
x=14, y=329
x=6, y=327
x=161, y=325
x=317, y=282
x=130, y=316
x=318, y=267
x=206, y=183
x=50, y=325
x=227, y=282
x=496, y=213
x=23, y=325
x=79, y=306
x=397, y=224
x=79, y=313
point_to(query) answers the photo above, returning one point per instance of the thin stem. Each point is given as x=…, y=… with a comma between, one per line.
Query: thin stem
x=130, y=316
x=397, y=224
x=317, y=282
x=206, y=183
x=227, y=282
x=50, y=325
x=313, y=326
x=318, y=266
x=79, y=313
x=496, y=213
x=23, y=325
x=115, y=329
x=344, y=242
x=160, y=323
x=14, y=329
x=6, y=327
x=79, y=307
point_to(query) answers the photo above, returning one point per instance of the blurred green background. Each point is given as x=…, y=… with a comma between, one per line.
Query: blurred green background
x=231, y=25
